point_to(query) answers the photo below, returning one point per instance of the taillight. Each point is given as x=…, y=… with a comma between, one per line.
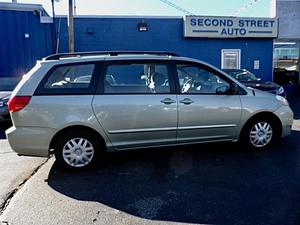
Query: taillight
x=18, y=103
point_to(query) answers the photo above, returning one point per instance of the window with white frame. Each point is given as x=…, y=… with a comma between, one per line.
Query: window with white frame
x=231, y=59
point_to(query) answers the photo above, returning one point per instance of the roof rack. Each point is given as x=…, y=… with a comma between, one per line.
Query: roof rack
x=111, y=53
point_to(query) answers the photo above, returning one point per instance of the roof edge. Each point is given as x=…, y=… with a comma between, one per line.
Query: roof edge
x=23, y=7
x=122, y=16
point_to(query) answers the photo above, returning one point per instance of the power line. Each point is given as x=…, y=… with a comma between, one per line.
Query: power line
x=248, y=5
x=173, y=5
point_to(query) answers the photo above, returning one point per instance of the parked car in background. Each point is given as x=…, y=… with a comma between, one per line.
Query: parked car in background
x=7, y=85
x=80, y=105
x=283, y=76
x=251, y=80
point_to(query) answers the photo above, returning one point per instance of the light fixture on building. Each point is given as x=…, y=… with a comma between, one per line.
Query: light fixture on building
x=90, y=30
x=143, y=27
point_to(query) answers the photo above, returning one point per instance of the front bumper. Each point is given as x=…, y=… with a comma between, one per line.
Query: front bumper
x=286, y=117
x=30, y=141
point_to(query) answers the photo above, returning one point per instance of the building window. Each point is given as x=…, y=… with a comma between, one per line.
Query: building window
x=231, y=59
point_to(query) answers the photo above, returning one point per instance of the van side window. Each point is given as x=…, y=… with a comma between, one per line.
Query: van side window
x=72, y=76
x=136, y=78
x=197, y=80
x=75, y=78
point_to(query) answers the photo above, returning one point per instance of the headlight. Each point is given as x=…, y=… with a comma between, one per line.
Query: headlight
x=280, y=91
x=282, y=100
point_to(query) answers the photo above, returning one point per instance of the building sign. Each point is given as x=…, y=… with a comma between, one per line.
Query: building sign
x=230, y=27
x=256, y=64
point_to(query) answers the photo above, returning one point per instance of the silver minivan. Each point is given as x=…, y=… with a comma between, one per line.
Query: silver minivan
x=80, y=105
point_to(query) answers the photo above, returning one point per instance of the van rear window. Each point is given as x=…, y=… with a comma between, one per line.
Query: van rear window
x=68, y=79
x=78, y=76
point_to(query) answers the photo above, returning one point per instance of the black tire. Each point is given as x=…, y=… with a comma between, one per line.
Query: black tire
x=256, y=134
x=65, y=155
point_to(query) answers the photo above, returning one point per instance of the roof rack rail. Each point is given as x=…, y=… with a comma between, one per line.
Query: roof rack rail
x=111, y=53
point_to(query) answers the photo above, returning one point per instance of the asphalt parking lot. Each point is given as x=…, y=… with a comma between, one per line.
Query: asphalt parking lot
x=3, y=127
x=200, y=184
x=203, y=184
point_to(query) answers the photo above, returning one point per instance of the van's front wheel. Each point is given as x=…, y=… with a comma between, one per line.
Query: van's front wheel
x=77, y=150
x=260, y=134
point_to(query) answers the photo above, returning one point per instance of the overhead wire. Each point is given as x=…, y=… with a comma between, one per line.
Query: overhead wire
x=177, y=7
x=246, y=6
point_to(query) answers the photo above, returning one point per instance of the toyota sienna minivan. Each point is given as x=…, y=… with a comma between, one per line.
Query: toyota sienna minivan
x=80, y=105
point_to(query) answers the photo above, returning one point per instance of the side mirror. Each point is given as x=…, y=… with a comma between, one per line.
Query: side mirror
x=144, y=77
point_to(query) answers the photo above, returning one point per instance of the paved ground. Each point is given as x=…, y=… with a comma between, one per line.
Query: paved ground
x=13, y=171
x=3, y=127
x=201, y=184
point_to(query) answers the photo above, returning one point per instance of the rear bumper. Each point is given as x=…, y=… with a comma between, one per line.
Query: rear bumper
x=286, y=117
x=30, y=141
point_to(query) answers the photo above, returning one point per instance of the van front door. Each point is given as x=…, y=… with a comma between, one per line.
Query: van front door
x=206, y=111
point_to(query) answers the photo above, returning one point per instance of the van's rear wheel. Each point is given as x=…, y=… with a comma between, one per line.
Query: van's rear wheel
x=77, y=150
x=260, y=134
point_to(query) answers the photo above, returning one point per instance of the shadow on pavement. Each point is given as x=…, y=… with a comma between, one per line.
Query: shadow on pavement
x=207, y=184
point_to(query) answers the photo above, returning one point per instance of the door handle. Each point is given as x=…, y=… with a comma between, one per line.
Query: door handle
x=186, y=101
x=167, y=101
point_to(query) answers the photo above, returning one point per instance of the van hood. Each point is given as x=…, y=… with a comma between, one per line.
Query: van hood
x=260, y=93
x=262, y=85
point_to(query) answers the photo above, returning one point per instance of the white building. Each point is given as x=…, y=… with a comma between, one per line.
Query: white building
x=287, y=45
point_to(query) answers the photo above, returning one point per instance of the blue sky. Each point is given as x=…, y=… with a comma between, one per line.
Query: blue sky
x=257, y=8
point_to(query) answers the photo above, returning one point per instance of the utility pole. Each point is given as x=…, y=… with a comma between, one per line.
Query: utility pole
x=54, y=27
x=71, y=27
